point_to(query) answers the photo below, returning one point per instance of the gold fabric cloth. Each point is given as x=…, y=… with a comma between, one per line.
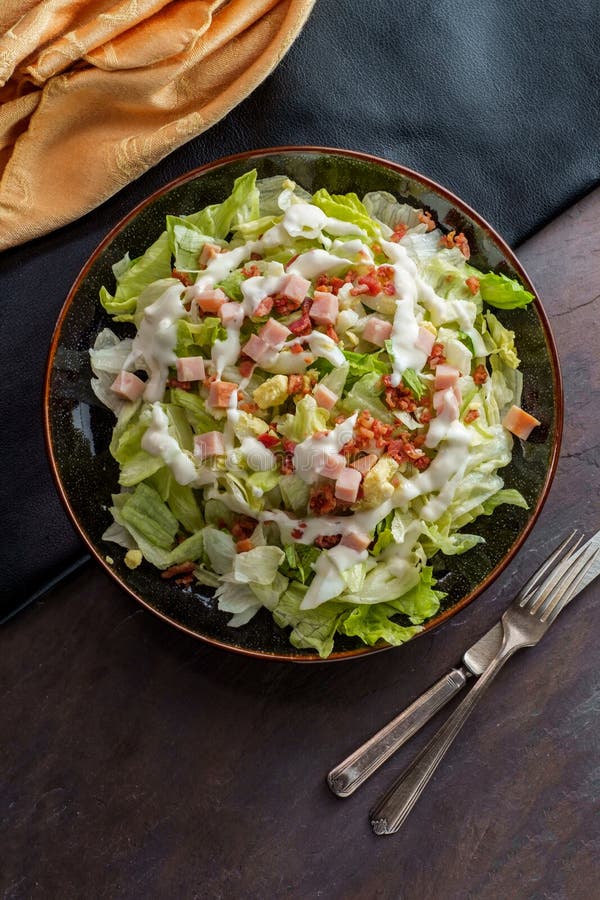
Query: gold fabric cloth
x=95, y=92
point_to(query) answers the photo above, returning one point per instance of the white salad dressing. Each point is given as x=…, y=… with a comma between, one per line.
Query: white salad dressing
x=157, y=441
x=310, y=455
x=255, y=289
x=155, y=341
x=440, y=310
x=440, y=425
x=451, y=460
x=226, y=352
x=317, y=262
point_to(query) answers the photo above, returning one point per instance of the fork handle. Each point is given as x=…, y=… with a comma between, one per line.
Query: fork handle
x=393, y=808
x=360, y=765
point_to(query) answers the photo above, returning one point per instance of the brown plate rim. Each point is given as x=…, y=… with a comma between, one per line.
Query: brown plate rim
x=558, y=395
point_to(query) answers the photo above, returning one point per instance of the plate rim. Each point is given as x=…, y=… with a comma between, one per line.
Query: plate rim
x=448, y=195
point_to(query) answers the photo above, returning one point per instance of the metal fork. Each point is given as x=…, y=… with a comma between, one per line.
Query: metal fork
x=524, y=623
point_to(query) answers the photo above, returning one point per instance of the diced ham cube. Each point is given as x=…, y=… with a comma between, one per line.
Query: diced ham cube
x=520, y=423
x=331, y=466
x=447, y=402
x=325, y=398
x=325, y=308
x=377, y=331
x=190, y=368
x=220, y=392
x=258, y=350
x=445, y=377
x=347, y=485
x=425, y=340
x=232, y=314
x=295, y=288
x=274, y=334
x=364, y=463
x=356, y=540
x=209, y=251
x=211, y=301
x=209, y=444
x=128, y=386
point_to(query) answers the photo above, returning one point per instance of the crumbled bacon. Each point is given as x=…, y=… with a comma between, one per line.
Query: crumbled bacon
x=287, y=464
x=436, y=357
x=296, y=348
x=332, y=333
x=183, y=277
x=423, y=463
x=327, y=541
x=248, y=406
x=268, y=440
x=182, y=385
x=452, y=239
x=264, y=308
x=246, y=365
x=471, y=415
x=288, y=445
x=244, y=545
x=250, y=271
x=399, y=232
x=255, y=256
x=243, y=527
x=480, y=375
x=472, y=283
x=181, y=569
x=367, y=430
x=424, y=416
x=303, y=325
x=399, y=397
x=283, y=306
x=426, y=219
x=296, y=385
x=322, y=499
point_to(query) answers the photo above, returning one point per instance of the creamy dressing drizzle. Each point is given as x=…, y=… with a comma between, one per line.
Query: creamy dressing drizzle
x=155, y=341
x=311, y=454
x=157, y=441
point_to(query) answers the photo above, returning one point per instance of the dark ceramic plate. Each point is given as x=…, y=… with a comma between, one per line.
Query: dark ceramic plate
x=78, y=429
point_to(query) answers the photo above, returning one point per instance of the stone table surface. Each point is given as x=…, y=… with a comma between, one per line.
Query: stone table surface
x=139, y=762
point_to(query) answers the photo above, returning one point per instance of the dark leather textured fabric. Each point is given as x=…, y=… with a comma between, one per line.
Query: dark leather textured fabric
x=498, y=101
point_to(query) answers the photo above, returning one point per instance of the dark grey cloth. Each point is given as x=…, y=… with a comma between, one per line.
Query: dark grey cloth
x=497, y=101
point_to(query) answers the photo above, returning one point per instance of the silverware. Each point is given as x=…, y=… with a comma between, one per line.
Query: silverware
x=353, y=771
x=523, y=624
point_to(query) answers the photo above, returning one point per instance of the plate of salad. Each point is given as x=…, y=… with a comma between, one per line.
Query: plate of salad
x=303, y=403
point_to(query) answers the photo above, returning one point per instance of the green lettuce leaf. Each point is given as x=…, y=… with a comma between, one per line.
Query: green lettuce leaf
x=365, y=395
x=307, y=419
x=313, y=629
x=421, y=601
x=411, y=380
x=154, y=264
x=373, y=624
x=150, y=516
x=242, y=205
x=505, y=495
x=501, y=291
x=299, y=561
x=194, y=338
x=348, y=208
x=182, y=502
x=195, y=410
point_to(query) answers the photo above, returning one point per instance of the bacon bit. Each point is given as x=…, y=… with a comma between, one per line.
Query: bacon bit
x=376, y=248
x=297, y=533
x=246, y=366
x=268, y=440
x=332, y=333
x=248, y=406
x=243, y=527
x=296, y=348
x=184, y=580
x=423, y=463
x=480, y=375
x=182, y=385
x=367, y=430
x=425, y=416
x=303, y=325
x=244, y=546
x=452, y=239
x=399, y=397
x=426, y=219
x=357, y=291
x=181, y=569
x=473, y=284
x=288, y=445
x=296, y=384
x=327, y=541
x=336, y=284
x=371, y=282
x=322, y=499
x=255, y=256
x=399, y=232
x=263, y=309
x=436, y=357
x=184, y=278
x=250, y=271
x=283, y=306
x=287, y=464
x=471, y=415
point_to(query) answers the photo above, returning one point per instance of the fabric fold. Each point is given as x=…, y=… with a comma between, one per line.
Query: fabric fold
x=117, y=86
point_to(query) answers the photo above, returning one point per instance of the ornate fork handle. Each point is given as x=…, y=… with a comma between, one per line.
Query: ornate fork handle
x=394, y=807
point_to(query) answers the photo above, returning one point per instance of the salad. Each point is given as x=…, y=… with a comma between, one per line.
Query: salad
x=315, y=398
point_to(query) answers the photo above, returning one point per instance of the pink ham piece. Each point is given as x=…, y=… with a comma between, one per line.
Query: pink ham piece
x=274, y=334
x=347, y=485
x=331, y=466
x=445, y=377
x=520, y=423
x=324, y=309
x=209, y=444
x=232, y=314
x=377, y=331
x=190, y=368
x=325, y=398
x=211, y=301
x=220, y=392
x=356, y=540
x=209, y=251
x=447, y=402
x=425, y=340
x=128, y=386
x=258, y=350
x=364, y=463
x=295, y=288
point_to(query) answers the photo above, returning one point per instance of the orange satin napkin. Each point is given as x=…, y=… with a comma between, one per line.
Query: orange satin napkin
x=95, y=92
